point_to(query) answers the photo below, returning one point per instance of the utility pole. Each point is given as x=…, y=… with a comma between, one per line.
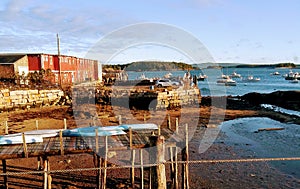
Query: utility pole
x=58, y=54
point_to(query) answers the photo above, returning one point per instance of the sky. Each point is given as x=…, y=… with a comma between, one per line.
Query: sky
x=233, y=31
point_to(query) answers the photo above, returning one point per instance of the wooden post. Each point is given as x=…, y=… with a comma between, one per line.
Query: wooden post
x=24, y=146
x=185, y=157
x=176, y=169
x=37, y=124
x=61, y=143
x=142, y=169
x=159, y=130
x=5, y=176
x=99, y=163
x=130, y=138
x=158, y=174
x=49, y=176
x=45, y=172
x=120, y=119
x=169, y=121
x=172, y=168
x=39, y=166
x=176, y=125
x=145, y=118
x=105, y=163
x=96, y=141
x=6, y=128
x=132, y=169
x=65, y=123
x=161, y=172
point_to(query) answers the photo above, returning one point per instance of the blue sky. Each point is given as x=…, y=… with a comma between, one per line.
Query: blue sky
x=256, y=31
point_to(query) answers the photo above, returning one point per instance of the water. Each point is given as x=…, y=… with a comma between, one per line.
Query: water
x=272, y=144
x=268, y=83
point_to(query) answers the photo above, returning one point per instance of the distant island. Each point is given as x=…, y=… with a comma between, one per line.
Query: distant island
x=174, y=66
x=152, y=66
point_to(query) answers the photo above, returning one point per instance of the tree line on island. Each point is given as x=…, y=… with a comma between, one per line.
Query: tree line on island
x=152, y=66
x=172, y=66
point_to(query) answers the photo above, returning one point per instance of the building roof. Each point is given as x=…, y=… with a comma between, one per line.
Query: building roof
x=10, y=58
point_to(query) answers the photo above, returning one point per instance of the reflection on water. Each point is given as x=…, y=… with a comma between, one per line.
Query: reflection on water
x=276, y=143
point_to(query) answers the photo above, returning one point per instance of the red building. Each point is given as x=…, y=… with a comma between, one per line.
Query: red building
x=66, y=69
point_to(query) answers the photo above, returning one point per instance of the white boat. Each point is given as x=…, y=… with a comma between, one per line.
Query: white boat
x=201, y=77
x=227, y=82
x=275, y=73
x=250, y=78
x=30, y=136
x=292, y=76
x=235, y=75
x=223, y=76
x=168, y=75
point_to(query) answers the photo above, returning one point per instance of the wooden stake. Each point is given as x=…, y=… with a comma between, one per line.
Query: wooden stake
x=105, y=163
x=130, y=138
x=37, y=124
x=61, y=143
x=159, y=131
x=142, y=169
x=185, y=157
x=65, y=123
x=5, y=176
x=176, y=169
x=169, y=121
x=24, y=145
x=176, y=125
x=99, y=162
x=120, y=119
x=158, y=174
x=172, y=168
x=161, y=172
x=49, y=176
x=6, y=128
x=45, y=172
x=96, y=141
x=132, y=169
x=39, y=166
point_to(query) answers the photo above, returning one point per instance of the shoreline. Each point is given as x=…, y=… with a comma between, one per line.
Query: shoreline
x=223, y=175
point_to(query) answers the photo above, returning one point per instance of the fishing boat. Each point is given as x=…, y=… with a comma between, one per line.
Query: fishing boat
x=201, y=77
x=292, y=76
x=227, y=82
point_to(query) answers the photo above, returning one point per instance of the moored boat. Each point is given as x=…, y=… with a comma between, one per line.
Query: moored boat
x=227, y=82
x=235, y=75
x=201, y=77
x=250, y=78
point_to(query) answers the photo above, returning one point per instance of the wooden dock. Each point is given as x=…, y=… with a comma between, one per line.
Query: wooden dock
x=99, y=146
x=77, y=145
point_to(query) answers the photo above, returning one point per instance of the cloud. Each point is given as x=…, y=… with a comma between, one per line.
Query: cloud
x=27, y=24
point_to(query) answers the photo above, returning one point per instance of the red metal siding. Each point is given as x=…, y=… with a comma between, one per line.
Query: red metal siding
x=34, y=62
